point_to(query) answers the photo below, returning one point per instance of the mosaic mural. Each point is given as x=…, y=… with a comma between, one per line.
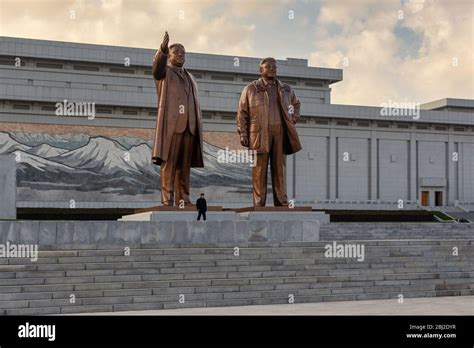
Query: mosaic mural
x=53, y=166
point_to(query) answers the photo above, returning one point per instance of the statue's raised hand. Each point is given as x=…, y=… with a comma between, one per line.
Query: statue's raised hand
x=164, y=44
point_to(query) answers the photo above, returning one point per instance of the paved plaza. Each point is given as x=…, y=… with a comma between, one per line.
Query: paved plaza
x=450, y=305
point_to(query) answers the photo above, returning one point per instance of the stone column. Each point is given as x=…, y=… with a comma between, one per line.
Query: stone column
x=373, y=161
x=332, y=164
x=7, y=187
x=413, y=163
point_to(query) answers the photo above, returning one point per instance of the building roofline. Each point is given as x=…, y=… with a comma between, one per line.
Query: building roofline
x=49, y=49
x=448, y=102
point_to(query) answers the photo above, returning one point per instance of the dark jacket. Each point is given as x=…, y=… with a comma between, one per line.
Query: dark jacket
x=252, y=116
x=201, y=204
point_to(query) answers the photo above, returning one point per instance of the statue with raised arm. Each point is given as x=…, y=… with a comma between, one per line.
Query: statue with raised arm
x=178, y=136
x=267, y=113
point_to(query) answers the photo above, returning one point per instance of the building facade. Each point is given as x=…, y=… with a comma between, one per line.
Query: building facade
x=80, y=118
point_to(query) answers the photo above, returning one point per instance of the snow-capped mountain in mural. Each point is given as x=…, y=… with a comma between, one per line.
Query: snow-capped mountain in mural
x=46, y=151
x=98, y=164
x=8, y=144
x=101, y=155
x=68, y=141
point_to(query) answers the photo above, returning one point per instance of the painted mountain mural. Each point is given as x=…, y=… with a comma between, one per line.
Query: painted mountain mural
x=95, y=168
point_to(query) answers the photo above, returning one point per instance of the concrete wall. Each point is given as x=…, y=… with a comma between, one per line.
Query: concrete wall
x=311, y=169
x=467, y=173
x=352, y=168
x=382, y=166
x=393, y=169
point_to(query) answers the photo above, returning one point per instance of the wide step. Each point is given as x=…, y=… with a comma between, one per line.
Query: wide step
x=101, y=280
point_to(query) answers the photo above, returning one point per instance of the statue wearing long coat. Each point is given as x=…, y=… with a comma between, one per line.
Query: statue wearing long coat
x=170, y=97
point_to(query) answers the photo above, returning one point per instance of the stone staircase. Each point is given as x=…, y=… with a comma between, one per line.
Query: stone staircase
x=469, y=216
x=399, y=260
x=455, y=212
x=390, y=230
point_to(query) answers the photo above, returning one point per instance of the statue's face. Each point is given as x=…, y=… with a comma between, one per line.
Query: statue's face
x=268, y=70
x=177, y=56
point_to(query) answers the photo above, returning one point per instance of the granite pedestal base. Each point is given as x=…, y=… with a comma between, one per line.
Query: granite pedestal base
x=231, y=226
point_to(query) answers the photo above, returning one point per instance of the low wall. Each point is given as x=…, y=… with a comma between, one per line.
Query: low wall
x=153, y=232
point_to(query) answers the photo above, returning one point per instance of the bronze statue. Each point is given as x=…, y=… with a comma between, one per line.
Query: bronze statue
x=267, y=114
x=178, y=136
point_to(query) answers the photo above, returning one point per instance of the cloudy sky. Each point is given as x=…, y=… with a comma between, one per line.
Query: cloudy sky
x=390, y=50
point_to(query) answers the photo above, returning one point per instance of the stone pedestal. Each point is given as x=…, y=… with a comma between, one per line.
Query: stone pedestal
x=7, y=187
x=272, y=224
x=322, y=217
x=186, y=208
x=270, y=214
x=281, y=209
x=94, y=234
x=176, y=215
x=283, y=213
